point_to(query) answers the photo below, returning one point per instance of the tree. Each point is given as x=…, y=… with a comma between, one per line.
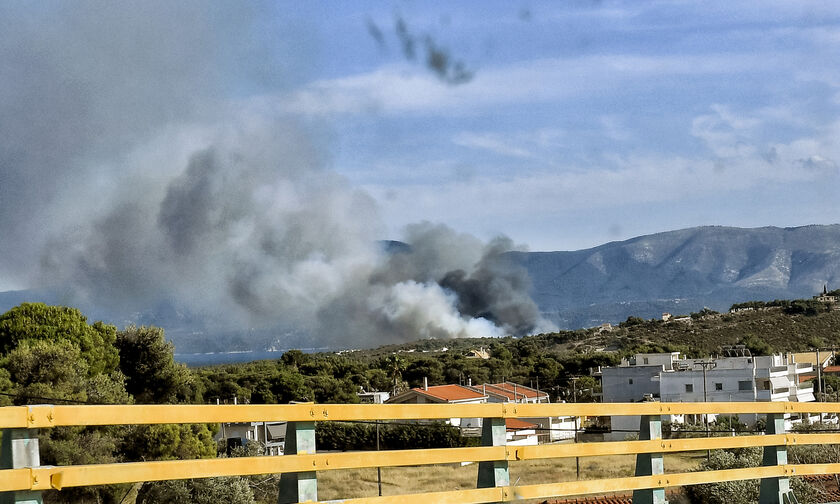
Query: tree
x=294, y=358
x=152, y=375
x=233, y=490
x=168, y=441
x=395, y=365
x=52, y=370
x=37, y=321
x=740, y=491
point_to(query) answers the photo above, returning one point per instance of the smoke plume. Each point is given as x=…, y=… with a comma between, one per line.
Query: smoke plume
x=126, y=179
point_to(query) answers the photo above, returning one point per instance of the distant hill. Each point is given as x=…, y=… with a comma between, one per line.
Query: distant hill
x=682, y=271
x=762, y=331
x=677, y=272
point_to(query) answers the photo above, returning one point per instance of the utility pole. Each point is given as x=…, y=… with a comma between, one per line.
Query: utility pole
x=706, y=364
x=577, y=422
x=821, y=393
x=378, y=468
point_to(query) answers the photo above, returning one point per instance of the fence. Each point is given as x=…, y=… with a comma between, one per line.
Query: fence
x=23, y=479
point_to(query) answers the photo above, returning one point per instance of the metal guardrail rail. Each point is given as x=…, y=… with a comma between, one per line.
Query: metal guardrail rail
x=22, y=478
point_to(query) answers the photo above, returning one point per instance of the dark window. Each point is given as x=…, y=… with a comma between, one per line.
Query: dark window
x=718, y=386
x=689, y=387
x=745, y=385
x=630, y=381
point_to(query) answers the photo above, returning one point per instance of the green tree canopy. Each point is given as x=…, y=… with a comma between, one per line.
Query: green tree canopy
x=148, y=363
x=37, y=321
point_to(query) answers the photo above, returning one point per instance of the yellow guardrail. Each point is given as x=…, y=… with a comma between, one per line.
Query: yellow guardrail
x=46, y=478
x=61, y=415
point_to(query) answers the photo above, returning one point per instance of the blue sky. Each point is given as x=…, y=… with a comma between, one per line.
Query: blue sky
x=584, y=122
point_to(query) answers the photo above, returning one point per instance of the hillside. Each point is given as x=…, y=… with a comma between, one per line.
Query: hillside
x=763, y=331
x=681, y=271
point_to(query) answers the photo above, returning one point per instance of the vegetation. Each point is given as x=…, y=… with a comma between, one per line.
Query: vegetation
x=53, y=354
x=392, y=436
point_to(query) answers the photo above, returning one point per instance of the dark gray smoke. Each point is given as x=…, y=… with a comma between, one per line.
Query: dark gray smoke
x=496, y=290
x=127, y=180
x=424, y=47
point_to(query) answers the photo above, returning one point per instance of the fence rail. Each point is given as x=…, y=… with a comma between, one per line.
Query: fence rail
x=23, y=477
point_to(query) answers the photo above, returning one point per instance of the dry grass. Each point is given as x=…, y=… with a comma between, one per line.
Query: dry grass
x=402, y=480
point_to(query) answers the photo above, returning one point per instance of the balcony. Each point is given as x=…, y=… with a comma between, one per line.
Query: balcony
x=767, y=395
x=803, y=393
x=771, y=372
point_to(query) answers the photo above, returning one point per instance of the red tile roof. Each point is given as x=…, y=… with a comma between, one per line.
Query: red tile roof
x=512, y=391
x=492, y=389
x=517, y=424
x=832, y=369
x=450, y=392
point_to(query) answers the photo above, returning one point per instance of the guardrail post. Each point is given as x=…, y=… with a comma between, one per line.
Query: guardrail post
x=649, y=464
x=775, y=490
x=493, y=473
x=302, y=486
x=20, y=449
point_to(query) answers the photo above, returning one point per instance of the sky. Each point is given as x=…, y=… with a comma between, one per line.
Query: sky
x=587, y=122
x=560, y=125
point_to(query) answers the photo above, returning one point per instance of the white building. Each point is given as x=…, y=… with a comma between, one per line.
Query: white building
x=373, y=397
x=271, y=436
x=735, y=376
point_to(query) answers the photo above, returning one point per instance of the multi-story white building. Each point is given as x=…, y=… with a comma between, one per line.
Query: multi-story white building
x=271, y=436
x=735, y=376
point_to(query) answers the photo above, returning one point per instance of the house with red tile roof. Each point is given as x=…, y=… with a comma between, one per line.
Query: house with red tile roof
x=452, y=394
x=520, y=432
x=446, y=394
x=512, y=392
x=548, y=428
x=528, y=431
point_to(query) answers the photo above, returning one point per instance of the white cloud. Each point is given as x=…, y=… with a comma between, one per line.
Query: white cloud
x=490, y=142
x=726, y=133
x=403, y=89
x=621, y=181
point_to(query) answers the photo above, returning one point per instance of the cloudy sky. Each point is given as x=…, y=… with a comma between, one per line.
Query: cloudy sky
x=562, y=125
x=587, y=122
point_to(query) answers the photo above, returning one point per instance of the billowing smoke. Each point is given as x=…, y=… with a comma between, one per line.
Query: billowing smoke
x=132, y=186
x=250, y=231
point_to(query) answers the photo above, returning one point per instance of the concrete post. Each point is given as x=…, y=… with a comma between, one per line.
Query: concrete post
x=302, y=486
x=775, y=490
x=493, y=473
x=649, y=464
x=20, y=449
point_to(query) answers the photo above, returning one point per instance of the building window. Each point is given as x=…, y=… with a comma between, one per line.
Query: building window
x=646, y=361
x=630, y=381
x=689, y=387
x=745, y=385
x=718, y=386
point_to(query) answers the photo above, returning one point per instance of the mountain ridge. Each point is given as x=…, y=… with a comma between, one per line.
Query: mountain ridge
x=682, y=270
